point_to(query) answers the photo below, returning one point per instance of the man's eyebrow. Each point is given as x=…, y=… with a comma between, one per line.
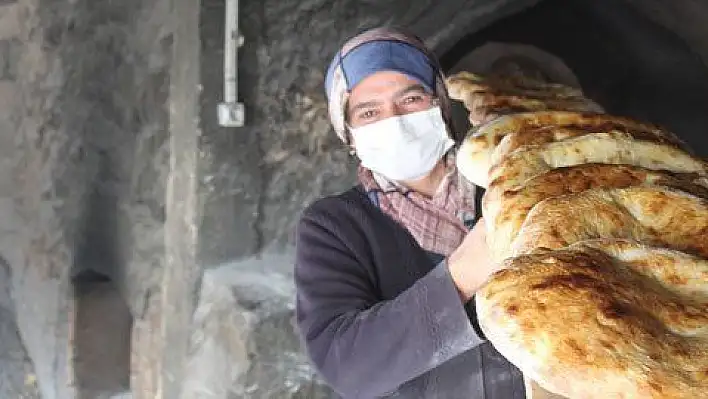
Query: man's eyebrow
x=408, y=89
x=365, y=104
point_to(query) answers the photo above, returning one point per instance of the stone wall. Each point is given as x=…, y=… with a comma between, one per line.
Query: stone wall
x=17, y=378
x=90, y=162
x=9, y=52
x=123, y=179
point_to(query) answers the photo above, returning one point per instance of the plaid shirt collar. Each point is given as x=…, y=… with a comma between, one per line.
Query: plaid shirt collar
x=387, y=185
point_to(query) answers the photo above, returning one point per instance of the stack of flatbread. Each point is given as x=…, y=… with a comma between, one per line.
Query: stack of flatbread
x=602, y=224
x=487, y=98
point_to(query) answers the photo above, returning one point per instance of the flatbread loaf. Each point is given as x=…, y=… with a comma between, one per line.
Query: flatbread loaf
x=478, y=150
x=464, y=83
x=490, y=97
x=505, y=211
x=603, y=319
x=653, y=215
x=609, y=148
x=550, y=134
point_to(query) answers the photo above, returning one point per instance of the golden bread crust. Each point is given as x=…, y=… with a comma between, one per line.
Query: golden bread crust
x=603, y=319
x=652, y=215
x=607, y=148
x=483, y=146
x=601, y=223
x=505, y=211
x=534, y=137
x=462, y=83
x=493, y=96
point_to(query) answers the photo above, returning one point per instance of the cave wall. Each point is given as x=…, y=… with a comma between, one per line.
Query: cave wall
x=9, y=52
x=90, y=164
x=17, y=374
x=108, y=121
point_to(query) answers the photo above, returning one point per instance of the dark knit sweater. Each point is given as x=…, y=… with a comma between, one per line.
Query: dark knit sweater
x=380, y=318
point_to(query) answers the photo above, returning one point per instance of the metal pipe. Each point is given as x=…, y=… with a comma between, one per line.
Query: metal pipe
x=230, y=52
x=231, y=112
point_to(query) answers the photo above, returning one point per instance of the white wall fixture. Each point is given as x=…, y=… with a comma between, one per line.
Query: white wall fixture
x=230, y=111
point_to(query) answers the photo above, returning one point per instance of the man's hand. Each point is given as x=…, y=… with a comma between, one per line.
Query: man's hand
x=470, y=264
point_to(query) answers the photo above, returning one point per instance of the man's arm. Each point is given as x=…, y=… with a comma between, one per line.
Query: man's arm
x=364, y=347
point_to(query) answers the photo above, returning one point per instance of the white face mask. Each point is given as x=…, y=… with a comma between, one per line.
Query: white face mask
x=404, y=147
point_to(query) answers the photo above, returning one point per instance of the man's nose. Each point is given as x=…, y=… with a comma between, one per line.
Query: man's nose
x=397, y=110
x=390, y=110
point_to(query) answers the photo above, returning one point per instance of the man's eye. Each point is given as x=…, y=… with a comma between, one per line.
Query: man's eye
x=413, y=99
x=368, y=114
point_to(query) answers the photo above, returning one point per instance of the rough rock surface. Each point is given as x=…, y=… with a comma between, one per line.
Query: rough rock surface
x=17, y=379
x=89, y=163
x=243, y=342
x=119, y=165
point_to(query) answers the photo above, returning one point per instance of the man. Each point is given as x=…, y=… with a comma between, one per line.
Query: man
x=386, y=271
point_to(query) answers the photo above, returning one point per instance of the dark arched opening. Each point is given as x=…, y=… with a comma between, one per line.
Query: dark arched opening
x=626, y=63
x=101, y=337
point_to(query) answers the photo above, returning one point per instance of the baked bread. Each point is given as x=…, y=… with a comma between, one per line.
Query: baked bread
x=478, y=148
x=603, y=319
x=602, y=223
x=550, y=134
x=464, y=83
x=489, y=97
x=652, y=215
x=505, y=211
x=613, y=147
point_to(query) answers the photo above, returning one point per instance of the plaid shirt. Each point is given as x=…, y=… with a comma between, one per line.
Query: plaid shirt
x=438, y=224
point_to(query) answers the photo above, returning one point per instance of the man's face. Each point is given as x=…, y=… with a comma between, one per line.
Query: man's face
x=383, y=95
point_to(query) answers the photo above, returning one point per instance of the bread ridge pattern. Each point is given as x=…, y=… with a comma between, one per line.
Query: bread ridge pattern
x=601, y=222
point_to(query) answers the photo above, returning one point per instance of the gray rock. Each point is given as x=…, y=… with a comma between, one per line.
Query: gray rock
x=243, y=343
x=90, y=164
x=17, y=377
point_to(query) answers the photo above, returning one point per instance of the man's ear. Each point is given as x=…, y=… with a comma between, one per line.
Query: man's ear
x=348, y=138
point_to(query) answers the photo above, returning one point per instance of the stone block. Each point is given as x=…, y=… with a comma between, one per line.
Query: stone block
x=9, y=54
x=146, y=347
x=243, y=342
x=8, y=132
x=5, y=60
x=17, y=378
x=42, y=318
x=10, y=23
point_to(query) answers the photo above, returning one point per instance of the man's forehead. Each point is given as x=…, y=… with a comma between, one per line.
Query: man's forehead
x=385, y=91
